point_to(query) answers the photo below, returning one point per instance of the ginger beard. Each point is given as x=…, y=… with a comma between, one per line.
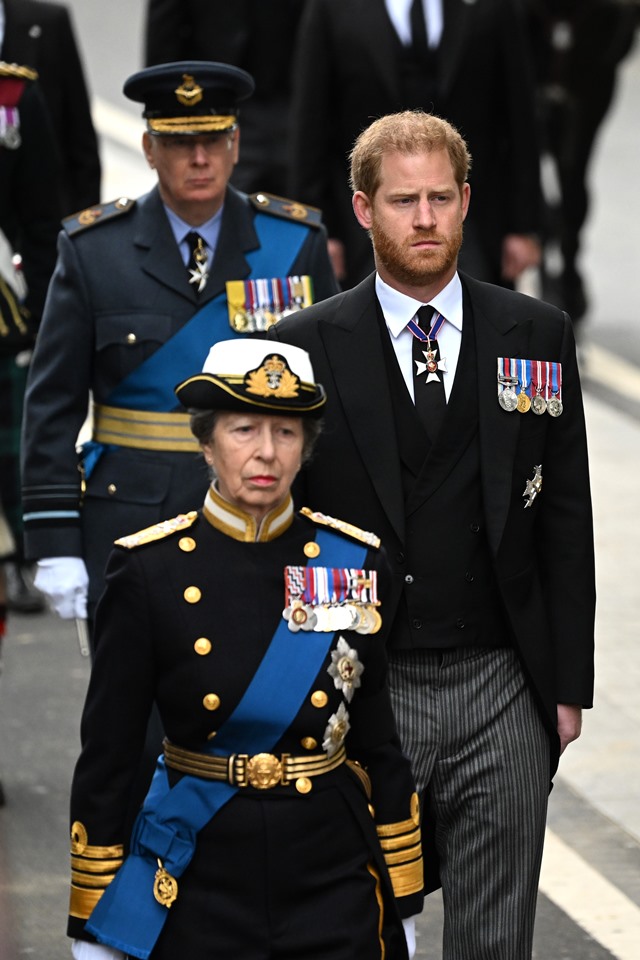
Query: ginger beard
x=416, y=267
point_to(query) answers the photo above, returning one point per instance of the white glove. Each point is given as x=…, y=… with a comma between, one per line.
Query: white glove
x=83, y=950
x=409, y=933
x=65, y=581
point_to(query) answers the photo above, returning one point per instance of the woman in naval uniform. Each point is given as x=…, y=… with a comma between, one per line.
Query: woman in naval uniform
x=282, y=821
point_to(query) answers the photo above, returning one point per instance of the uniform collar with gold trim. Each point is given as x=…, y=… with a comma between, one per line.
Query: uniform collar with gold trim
x=242, y=526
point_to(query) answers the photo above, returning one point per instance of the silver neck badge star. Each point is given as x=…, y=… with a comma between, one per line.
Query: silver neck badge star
x=199, y=274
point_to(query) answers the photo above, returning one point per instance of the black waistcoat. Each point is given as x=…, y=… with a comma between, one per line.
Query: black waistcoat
x=449, y=593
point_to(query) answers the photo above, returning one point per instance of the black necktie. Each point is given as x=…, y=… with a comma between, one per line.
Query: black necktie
x=419, y=40
x=428, y=386
x=197, y=263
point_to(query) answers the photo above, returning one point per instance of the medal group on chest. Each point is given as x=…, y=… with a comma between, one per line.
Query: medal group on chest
x=530, y=385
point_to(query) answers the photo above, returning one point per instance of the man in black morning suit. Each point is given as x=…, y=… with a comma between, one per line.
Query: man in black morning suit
x=355, y=60
x=487, y=524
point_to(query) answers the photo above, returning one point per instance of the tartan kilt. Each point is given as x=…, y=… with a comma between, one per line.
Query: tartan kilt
x=13, y=380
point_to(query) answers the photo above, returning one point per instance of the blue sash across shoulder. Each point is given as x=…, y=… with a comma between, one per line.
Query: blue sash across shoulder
x=127, y=916
x=150, y=386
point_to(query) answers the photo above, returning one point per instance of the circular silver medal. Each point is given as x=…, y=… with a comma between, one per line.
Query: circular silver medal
x=508, y=399
x=554, y=407
x=539, y=404
x=11, y=139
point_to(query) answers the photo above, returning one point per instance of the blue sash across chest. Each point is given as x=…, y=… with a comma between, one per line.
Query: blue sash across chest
x=150, y=386
x=128, y=917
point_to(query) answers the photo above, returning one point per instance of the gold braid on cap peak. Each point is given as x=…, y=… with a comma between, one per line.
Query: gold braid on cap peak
x=17, y=71
x=191, y=125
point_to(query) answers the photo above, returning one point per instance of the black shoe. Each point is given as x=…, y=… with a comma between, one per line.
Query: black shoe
x=22, y=596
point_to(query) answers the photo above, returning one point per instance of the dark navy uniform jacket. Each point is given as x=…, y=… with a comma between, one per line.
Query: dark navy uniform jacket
x=195, y=659
x=120, y=291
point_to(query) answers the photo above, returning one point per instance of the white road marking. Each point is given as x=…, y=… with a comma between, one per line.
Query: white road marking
x=589, y=899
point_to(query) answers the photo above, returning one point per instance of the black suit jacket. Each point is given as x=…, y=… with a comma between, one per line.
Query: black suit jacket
x=40, y=35
x=29, y=205
x=543, y=556
x=347, y=73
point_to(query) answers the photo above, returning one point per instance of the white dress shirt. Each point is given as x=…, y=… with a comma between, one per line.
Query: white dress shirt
x=398, y=310
x=398, y=11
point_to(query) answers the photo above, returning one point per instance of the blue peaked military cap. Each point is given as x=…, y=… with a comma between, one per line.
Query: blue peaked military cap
x=190, y=96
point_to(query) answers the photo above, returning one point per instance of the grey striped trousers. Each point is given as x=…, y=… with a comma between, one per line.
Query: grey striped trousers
x=480, y=757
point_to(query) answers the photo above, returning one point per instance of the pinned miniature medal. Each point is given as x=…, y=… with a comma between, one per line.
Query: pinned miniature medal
x=10, y=128
x=507, y=397
x=554, y=407
x=336, y=730
x=345, y=668
x=507, y=383
x=299, y=616
x=533, y=486
x=524, y=401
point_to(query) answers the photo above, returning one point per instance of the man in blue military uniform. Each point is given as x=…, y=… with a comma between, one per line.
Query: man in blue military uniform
x=141, y=290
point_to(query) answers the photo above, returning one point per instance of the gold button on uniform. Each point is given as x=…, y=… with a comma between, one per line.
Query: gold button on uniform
x=303, y=785
x=131, y=338
x=319, y=698
x=211, y=735
x=309, y=743
x=187, y=544
x=311, y=549
x=111, y=488
x=211, y=701
x=192, y=594
x=202, y=646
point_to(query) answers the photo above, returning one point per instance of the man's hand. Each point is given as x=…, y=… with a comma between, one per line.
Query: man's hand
x=569, y=724
x=65, y=581
x=519, y=252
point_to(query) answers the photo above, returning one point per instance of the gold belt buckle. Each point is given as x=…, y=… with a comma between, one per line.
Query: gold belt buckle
x=264, y=771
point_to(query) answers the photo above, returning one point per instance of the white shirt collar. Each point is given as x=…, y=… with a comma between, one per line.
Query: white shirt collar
x=399, y=309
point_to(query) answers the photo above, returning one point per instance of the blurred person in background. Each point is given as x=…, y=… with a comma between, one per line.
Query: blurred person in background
x=29, y=224
x=470, y=63
x=40, y=35
x=578, y=48
x=260, y=38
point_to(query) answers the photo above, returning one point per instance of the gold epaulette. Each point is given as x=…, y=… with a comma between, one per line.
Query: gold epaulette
x=92, y=870
x=99, y=213
x=402, y=848
x=289, y=209
x=158, y=531
x=363, y=536
x=17, y=71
